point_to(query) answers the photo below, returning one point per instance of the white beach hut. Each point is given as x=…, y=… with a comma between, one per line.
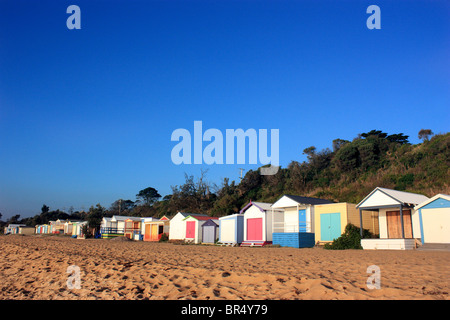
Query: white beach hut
x=434, y=219
x=177, y=229
x=399, y=223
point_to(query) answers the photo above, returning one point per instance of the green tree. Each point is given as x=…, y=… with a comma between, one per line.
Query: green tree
x=95, y=216
x=148, y=196
x=45, y=209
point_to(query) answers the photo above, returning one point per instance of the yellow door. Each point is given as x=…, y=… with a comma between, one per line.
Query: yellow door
x=155, y=232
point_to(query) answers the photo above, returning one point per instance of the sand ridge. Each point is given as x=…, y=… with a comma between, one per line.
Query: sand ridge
x=35, y=267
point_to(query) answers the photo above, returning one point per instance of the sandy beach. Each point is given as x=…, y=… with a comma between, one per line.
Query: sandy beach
x=35, y=268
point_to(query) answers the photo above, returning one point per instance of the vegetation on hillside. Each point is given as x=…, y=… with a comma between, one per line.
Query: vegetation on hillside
x=345, y=173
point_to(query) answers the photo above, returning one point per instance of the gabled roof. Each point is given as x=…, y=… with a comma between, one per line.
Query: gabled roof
x=308, y=200
x=262, y=206
x=231, y=216
x=396, y=197
x=201, y=217
x=289, y=200
x=440, y=195
x=186, y=214
x=123, y=218
x=210, y=222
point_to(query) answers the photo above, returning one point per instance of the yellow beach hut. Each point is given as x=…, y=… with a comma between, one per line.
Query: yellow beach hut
x=331, y=220
x=156, y=228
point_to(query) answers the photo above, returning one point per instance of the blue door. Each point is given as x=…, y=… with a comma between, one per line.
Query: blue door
x=330, y=226
x=302, y=220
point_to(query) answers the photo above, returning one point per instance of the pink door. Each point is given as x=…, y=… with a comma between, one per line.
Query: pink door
x=254, y=229
x=190, y=229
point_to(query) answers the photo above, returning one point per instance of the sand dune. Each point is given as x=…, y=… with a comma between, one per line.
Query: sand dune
x=34, y=267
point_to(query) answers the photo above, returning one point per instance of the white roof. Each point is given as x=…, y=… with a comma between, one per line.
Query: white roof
x=384, y=197
x=231, y=216
x=123, y=218
x=440, y=195
x=263, y=205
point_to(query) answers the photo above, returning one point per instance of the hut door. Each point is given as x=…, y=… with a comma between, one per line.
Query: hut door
x=209, y=234
x=330, y=226
x=154, y=232
x=254, y=229
x=394, y=224
x=147, y=232
x=190, y=229
x=302, y=220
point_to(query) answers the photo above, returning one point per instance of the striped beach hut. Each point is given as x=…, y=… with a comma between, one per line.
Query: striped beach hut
x=77, y=229
x=231, y=229
x=13, y=228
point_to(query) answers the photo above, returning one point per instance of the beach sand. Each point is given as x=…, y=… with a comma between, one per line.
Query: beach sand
x=35, y=267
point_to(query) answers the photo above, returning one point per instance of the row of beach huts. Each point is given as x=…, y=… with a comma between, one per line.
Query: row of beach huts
x=400, y=220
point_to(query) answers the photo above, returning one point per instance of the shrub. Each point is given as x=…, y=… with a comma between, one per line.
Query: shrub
x=350, y=239
x=164, y=238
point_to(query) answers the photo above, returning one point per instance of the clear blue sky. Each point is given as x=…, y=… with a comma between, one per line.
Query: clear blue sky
x=86, y=115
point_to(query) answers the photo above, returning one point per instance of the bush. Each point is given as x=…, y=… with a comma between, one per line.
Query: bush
x=350, y=239
x=164, y=238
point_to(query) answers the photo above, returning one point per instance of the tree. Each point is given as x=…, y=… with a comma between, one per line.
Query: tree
x=148, y=196
x=95, y=216
x=424, y=134
x=14, y=219
x=310, y=152
x=377, y=133
x=45, y=209
x=338, y=143
x=121, y=206
x=398, y=138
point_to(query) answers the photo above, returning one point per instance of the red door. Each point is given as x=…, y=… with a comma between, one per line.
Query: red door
x=190, y=229
x=254, y=229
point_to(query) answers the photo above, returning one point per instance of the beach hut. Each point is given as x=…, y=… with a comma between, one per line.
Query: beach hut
x=194, y=225
x=258, y=223
x=68, y=226
x=77, y=229
x=114, y=226
x=132, y=226
x=57, y=227
x=331, y=220
x=293, y=223
x=434, y=219
x=231, y=229
x=178, y=225
x=398, y=221
x=43, y=229
x=210, y=231
x=154, y=229
x=13, y=228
